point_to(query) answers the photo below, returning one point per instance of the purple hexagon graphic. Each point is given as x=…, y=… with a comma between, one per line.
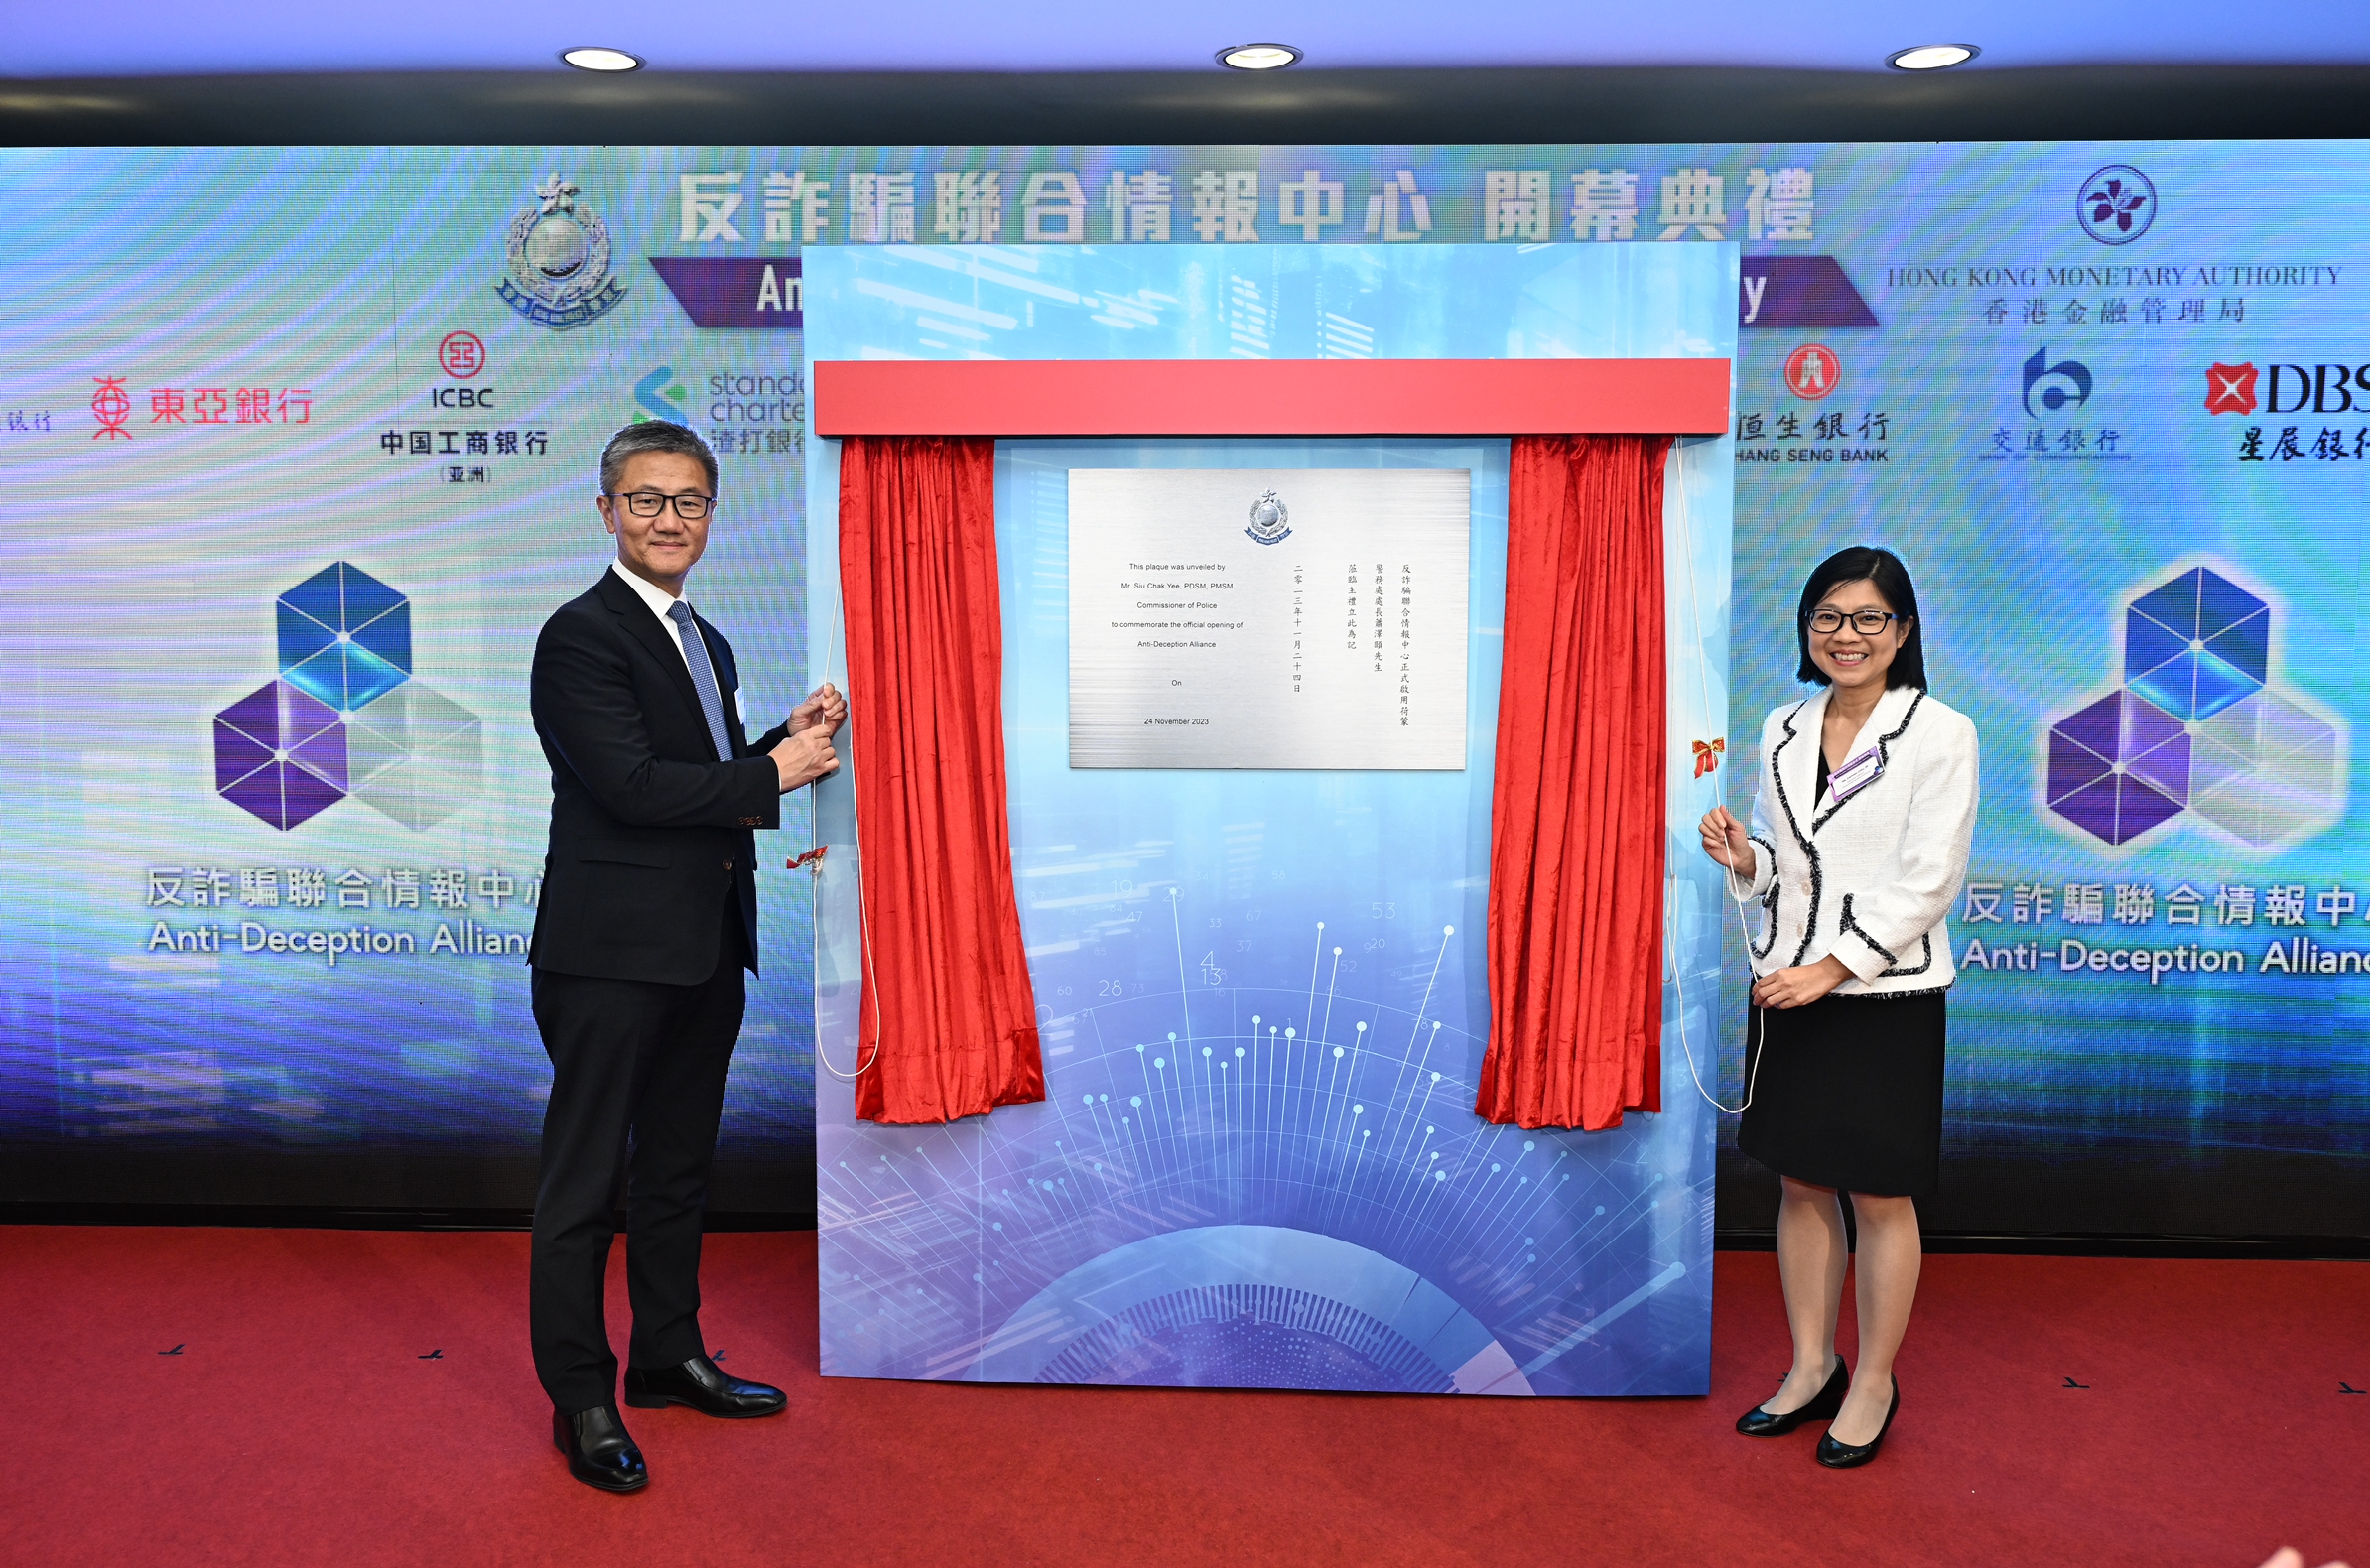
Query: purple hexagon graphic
x=2118, y=767
x=281, y=754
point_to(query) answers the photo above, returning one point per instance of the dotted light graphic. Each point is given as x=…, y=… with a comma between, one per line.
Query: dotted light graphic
x=1246, y=1187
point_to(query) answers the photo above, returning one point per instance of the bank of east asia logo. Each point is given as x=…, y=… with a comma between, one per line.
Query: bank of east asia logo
x=345, y=716
x=2116, y=205
x=2197, y=726
x=557, y=252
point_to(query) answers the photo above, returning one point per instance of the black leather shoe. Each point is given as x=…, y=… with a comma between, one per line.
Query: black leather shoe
x=699, y=1384
x=600, y=1453
x=1844, y=1456
x=1758, y=1422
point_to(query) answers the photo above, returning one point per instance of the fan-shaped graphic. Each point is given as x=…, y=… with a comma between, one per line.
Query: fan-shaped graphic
x=1292, y=1193
x=280, y=754
x=344, y=636
x=1249, y=1306
x=2196, y=645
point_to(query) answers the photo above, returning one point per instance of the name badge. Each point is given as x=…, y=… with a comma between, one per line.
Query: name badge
x=1856, y=774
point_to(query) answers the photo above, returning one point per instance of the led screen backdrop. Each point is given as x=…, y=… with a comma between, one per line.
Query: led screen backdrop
x=299, y=446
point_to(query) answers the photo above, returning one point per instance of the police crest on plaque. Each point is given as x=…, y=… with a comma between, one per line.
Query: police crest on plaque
x=1270, y=520
x=558, y=260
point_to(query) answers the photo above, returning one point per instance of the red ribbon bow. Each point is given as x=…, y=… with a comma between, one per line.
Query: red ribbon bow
x=813, y=858
x=1707, y=755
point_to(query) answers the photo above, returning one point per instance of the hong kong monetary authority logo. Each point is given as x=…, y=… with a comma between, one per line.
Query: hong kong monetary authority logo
x=2116, y=205
x=557, y=252
x=1270, y=520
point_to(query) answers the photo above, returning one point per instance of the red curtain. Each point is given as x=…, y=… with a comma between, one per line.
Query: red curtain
x=1576, y=832
x=947, y=1005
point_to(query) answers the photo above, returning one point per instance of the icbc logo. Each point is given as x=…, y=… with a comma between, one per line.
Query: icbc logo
x=462, y=355
x=2230, y=389
x=1812, y=370
x=2289, y=389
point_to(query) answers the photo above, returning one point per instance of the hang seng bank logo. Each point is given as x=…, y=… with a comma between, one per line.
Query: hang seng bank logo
x=345, y=716
x=2198, y=726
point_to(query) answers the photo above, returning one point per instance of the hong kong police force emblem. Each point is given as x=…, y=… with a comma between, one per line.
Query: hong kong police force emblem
x=558, y=260
x=1270, y=523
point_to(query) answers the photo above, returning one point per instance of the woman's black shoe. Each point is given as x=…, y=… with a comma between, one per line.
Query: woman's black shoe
x=1758, y=1422
x=1843, y=1456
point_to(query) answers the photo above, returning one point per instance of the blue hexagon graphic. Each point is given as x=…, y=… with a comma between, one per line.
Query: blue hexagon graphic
x=346, y=637
x=2197, y=644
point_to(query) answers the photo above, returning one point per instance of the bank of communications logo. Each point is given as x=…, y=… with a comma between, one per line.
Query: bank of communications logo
x=2197, y=726
x=345, y=716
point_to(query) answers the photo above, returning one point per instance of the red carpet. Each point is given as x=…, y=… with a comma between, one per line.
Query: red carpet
x=297, y=1422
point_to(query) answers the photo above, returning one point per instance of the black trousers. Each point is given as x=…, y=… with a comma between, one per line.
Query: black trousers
x=639, y=1087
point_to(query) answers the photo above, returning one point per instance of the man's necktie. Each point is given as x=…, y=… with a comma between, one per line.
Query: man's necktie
x=695, y=653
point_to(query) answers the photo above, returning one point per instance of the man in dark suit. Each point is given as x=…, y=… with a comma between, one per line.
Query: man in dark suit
x=647, y=919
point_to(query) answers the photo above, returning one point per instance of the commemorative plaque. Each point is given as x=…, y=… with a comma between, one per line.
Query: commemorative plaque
x=1268, y=618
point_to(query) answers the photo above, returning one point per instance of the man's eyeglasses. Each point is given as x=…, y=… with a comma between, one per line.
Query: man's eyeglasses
x=649, y=504
x=1826, y=622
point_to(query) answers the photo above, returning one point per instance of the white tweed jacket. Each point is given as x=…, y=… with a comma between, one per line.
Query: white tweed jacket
x=1870, y=878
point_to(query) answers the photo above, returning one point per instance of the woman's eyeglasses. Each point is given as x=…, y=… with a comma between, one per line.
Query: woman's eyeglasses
x=1866, y=623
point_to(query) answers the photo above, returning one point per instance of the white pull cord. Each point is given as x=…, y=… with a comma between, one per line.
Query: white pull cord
x=813, y=858
x=1726, y=877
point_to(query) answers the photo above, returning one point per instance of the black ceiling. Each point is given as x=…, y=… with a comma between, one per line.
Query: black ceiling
x=1389, y=107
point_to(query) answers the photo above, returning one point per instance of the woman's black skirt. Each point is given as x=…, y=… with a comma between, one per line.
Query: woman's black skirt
x=1849, y=1092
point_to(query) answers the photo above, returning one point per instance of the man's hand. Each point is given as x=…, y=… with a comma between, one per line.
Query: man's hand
x=1801, y=986
x=825, y=709
x=804, y=757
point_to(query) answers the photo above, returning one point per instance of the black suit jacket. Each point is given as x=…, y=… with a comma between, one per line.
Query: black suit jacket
x=650, y=827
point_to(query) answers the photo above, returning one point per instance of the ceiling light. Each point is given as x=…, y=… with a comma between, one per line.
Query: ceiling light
x=602, y=60
x=1260, y=57
x=1932, y=56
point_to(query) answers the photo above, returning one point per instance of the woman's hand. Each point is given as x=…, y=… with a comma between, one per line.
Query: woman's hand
x=1800, y=985
x=1725, y=842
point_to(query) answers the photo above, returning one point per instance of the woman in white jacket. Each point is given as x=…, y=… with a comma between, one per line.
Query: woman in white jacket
x=1857, y=851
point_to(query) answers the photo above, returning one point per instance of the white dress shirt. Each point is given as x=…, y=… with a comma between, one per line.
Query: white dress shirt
x=660, y=602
